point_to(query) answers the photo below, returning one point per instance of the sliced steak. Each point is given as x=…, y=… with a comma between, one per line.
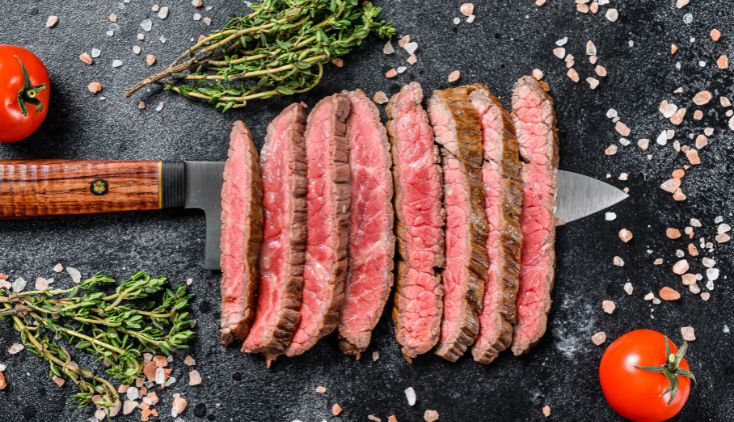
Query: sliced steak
x=420, y=220
x=535, y=126
x=503, y=204
x=457, y=129
x=327, y=151
x=284, y=246
x=242, y=219
x=371, y=240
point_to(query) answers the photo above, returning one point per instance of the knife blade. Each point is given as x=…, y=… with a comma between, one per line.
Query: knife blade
x=43, y=188
x=580, y=196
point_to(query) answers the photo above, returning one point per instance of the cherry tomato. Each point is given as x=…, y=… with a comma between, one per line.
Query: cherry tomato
x=644, y=376
x=25, y=91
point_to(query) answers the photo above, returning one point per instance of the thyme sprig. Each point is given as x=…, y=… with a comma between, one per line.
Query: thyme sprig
x=141, y=315
x=278, y=49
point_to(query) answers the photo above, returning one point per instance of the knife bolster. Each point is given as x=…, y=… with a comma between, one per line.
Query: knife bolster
x=173, y=184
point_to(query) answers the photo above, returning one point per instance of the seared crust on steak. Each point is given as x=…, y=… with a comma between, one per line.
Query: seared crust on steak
x=535, y=125
x=242, y=219
x=328, y=202
x=457, y=129
x=371, y=240
x=284, y=247
x=503, y=202
x=419, y=223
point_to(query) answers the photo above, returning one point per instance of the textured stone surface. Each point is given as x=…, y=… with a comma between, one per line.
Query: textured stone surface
x=508, y=38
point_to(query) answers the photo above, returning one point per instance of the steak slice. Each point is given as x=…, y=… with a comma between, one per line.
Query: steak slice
x=328, y=199
x=284, y=247
x=503, y=204
x=242, y=219
x=535, y=126
x=420, y=220
x=457, y=129
x=371, y=240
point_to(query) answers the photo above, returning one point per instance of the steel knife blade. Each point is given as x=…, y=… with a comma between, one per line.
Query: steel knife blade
x=580, y=196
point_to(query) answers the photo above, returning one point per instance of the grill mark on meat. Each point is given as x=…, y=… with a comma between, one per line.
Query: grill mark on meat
x=457, y=129
x=328, y=201
x=419, y=223
x=535, y=125
x=503, y=203
x=371, y=241
x=284, y=247
x=242, y=218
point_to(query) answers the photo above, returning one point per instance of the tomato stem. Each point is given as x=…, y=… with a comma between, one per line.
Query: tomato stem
x=671, y=369
x=29, y=93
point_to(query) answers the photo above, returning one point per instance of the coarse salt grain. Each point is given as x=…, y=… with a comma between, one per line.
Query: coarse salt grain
x=608, y=306
x=94, y=87
x=669, y=294
x=380, y=97
x=410, y=396
x=618, y=261
x=467, y=9
x=612, y=15
x=625, y=235
x=430, y=415
x=702, y=97
x=688, y=333
x=681, y=267
x=628, y=288
x=454, y=76
x=599, y=338
x=52, y=21
x=610, y=216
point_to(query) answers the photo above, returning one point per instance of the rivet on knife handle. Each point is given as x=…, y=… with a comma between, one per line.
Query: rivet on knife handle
x=41, y=188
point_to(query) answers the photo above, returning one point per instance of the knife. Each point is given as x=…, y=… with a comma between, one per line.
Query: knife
x=46, y=188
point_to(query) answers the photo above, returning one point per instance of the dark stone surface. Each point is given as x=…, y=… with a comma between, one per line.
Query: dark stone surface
x=508, y=39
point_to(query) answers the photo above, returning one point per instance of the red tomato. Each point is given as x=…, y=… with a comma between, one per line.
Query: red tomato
x=644, y=395
x=25, y=91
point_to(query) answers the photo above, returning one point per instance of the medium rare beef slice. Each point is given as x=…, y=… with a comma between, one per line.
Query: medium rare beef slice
x=420, y=219
x=371, y=240
x=535, y=126
x=284, y=245
x=327, y=152
x=503, y=205
x=242, y=218
x=457, y=129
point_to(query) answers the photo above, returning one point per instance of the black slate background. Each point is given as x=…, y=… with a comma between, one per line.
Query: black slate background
x=508, y=39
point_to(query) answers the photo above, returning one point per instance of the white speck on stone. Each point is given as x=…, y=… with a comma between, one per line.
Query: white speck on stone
x=410, y=396
x=146, y=25
x=76, y=276
x=726, y=329
x=610, y=216
x=110, y=33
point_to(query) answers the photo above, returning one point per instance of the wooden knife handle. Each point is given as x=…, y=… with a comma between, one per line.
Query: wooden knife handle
x=65, y=187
